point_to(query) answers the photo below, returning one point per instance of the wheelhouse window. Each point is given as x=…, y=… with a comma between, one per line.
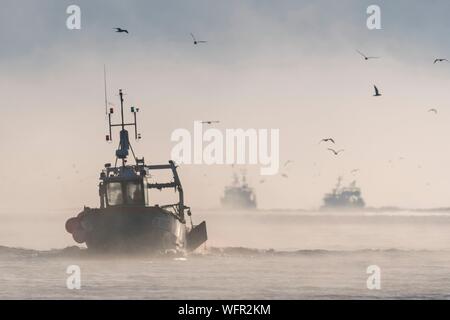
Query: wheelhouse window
x=114, y=193
x=135, y=193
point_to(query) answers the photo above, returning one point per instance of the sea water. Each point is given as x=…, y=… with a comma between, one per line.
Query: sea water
x=250, y=255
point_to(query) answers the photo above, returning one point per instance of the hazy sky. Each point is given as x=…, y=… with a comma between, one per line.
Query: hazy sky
x=288, y=65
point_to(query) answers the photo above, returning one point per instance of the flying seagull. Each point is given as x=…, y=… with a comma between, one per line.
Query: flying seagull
x=366, y=57
x=433, y=110
x=284, y=175
x=120, y=30
x=327, y=140
x=336, y=152
x=210, y=122
x=439, y=60
x=354, y=171
x=197, y=41
x=377, y=92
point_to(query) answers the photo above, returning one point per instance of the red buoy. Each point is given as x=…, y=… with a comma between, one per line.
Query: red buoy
x=79, y=236
x=72, y=225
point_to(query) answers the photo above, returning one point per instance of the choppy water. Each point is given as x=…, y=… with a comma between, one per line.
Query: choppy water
x=259, y=255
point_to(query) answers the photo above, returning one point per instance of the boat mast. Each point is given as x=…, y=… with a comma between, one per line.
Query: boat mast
x=124, y=145
x=106, y=90
x=121, y=108
x=124, y=141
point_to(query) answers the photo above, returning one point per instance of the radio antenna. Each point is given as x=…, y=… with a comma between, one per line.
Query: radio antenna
x=106, y=90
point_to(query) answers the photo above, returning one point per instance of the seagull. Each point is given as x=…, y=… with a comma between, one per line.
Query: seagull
x=439, y=60
x=366, y=57
x=433, y=110
x=120, y=30
x=210, y=122
x=336, y=152
x=354, y=171
x=197, y=41
x=377, y=92
x=285, y=175
x=327, y=140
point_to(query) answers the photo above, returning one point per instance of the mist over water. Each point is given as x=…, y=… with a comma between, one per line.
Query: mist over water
x=253, y=254
x=265, y=229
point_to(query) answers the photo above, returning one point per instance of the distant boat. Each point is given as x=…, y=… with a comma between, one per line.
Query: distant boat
x=344, y=197
x=239, y=195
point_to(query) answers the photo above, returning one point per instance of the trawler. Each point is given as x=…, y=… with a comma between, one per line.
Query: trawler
x=344, y=197
x=239, y=195
x=125, y=221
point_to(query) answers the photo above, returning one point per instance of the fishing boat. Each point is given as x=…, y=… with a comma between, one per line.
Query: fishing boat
x=340, y=197
x=125, y=221
x=239, y=195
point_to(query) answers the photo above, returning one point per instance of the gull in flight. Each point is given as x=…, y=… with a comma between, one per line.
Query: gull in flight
x=197, y=41
x=439, y=60
x=377, y=92
x=433, y=110
x=210, y=122
x=120, y=30
x=336, y=153
x=366, y=57
x=327, y=140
